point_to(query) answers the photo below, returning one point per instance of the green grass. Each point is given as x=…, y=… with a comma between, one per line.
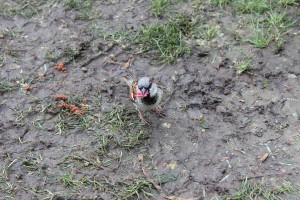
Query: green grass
x=10, y=33
x=68, y=180
x=251, y=6
x=244, y=66
x=2, y=60
x=138, y=188
x=220, y=3
x=79, y=4
x=121, y=119
x=85, y=9
x=210, y=32
x=166, y=41
x=122, y=37
x=260, y=38
x=286, y=2
x=25, y=9
x=31, y=162
x=252, y=191
x=6, y=86
x=159, y=6
x=126, y=127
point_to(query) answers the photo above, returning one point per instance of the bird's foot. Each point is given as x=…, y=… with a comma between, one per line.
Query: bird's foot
x=160, y=112
x=143, y=118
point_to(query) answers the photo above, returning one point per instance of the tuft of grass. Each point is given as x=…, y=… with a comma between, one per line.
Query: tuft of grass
x=32, y=162
x=260, y=38
x=251, y=6
x=121, y=119
x=69, y=181
x=165, y=40
x=210, y=32
x=278, y=20
x=137, y=188
x=121, y=36
x=12, y=32
x=244, y=65
x=220, y=3
x=6, y=86
x=85, y=9
x=127, y=125
x=25, y=9
x=159, y=6
x=79, y=4
x=254, y=191
x=2, y=60
x=6, y=169
x=70, y=53
x=103, y=146
x=286, y=2
x=132, y=140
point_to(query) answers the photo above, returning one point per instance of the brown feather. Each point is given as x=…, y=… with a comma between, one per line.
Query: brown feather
x=133, y=91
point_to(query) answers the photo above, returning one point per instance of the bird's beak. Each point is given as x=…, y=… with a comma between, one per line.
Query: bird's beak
x=144, y=92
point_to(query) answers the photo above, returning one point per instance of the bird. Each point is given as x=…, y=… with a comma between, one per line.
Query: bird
x=145, y=95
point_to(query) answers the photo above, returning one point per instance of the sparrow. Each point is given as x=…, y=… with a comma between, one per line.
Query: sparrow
x=146, y=95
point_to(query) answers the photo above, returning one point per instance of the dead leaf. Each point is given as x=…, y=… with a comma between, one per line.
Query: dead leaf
x=129, y=62
x=264, y=157
x=172, y=165
x=60, y=67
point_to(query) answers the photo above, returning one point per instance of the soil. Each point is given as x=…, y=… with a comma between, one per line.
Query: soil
x=218, y=124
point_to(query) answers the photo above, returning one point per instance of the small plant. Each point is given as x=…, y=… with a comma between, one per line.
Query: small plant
x=69, y=181
x=121, y=36
x=244, y=66
x=32, y=162
x=287, y=2
x=260, y=38
x=132, y=140
x=210, y=32
x=220, y=3
x=84, y=7
x=137, y=187
x=25, y=9
x=2, y=60
x=165, y=40
x=265, y=84
x=6, y=86
x=103, y=146
x=158, y=7
x=251, y=6
x=278, y=21
x=79, y=4
x=250, y=190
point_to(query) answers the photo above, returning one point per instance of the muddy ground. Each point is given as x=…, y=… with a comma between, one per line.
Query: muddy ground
x=218, y=124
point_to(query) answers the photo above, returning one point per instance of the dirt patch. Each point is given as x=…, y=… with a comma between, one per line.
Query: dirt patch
x=232, y=99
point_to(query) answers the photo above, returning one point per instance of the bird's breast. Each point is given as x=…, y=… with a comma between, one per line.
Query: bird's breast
x=149, y=100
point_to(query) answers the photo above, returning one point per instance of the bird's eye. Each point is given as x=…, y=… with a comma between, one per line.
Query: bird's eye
x=149, y=86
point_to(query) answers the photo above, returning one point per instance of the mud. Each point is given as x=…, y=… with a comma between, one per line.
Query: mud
x=218, y=124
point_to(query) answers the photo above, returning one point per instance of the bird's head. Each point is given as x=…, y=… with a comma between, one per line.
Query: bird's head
x=145, y=88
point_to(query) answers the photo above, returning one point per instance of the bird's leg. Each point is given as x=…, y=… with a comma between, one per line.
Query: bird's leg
x=160, y=112
x=143, y=118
